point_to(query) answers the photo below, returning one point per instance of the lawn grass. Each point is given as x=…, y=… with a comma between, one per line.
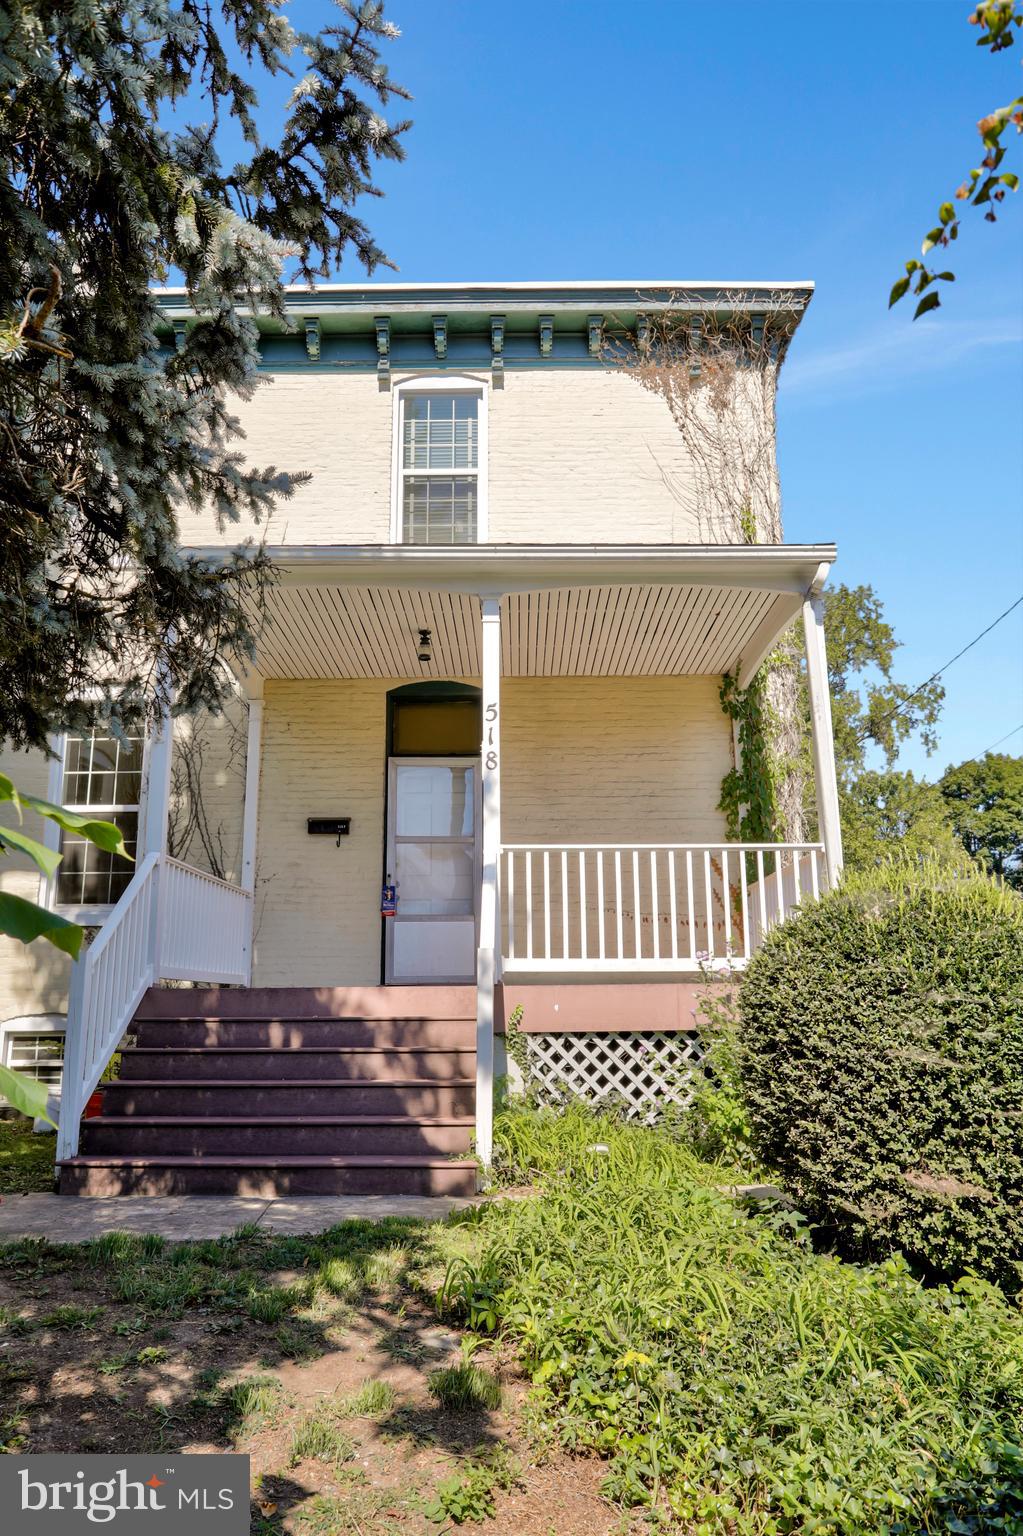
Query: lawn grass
x=26, y=1160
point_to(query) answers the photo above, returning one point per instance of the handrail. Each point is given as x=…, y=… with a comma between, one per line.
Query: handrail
x=662, y=847
x=670, y=908
x=172, y=922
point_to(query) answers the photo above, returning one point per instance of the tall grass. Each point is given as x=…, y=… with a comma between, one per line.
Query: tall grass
x=732, y=1375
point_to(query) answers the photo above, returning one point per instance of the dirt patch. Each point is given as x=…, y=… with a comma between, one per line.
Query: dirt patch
x=312, y=1355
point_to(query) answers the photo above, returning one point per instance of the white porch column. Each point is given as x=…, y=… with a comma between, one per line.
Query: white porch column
x=489, y=944
x=153, y=838
x=825, y=779
x=250, y=816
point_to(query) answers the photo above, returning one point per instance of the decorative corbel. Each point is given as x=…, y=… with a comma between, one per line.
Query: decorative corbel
x=595, y=334
x=312, y=337
x=497, y=348
x=180, y=333
x=757, y=325
x=642, y=332
x=546, y=335
x=440, y=336
x=383, y=330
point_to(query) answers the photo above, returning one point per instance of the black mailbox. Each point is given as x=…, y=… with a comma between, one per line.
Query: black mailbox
x=329, y=826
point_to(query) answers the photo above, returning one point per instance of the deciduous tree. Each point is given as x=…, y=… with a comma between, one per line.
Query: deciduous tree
x=985, y=801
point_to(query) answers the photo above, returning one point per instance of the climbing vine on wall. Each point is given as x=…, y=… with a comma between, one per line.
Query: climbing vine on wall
x=748, y=793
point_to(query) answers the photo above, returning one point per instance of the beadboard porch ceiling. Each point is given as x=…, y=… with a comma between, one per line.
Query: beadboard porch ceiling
x=599, y=611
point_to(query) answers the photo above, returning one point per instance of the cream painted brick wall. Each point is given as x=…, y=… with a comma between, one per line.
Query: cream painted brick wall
x=583, y=760
x=581, y=456
x=338, y=427
x=33, y=978
x=576, y=455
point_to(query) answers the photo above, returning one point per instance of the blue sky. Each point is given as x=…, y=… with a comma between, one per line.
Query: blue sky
x=585, y=138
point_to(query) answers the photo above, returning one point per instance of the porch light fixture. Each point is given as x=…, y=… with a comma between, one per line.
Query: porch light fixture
x=425, y=648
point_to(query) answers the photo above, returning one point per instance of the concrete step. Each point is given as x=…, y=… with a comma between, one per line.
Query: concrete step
x=270, y=1136
x=265, y=1177
x=338, y=1063
x=325, y=1032
x=253, y=1098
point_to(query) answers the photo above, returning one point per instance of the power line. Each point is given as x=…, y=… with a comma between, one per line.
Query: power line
x=998, y=743
x=935, y=675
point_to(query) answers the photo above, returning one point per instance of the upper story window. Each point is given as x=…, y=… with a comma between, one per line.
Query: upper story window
x=102, y=777
x=440, y=455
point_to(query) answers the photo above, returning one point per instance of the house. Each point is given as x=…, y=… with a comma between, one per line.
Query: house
x=473, y=776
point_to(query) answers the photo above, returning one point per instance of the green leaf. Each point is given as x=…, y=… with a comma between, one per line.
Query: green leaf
x=931, y=241
x=898, y=291
x=929, y=301
x=946, y=213
x=46, y=859
x=103, y=833
x=1010, y=179
x=26, y=1094
x=26, y=920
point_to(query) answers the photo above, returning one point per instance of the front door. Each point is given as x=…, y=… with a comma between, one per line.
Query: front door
x=433, y=856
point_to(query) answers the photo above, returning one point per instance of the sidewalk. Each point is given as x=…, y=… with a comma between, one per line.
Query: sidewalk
x=64, y=1219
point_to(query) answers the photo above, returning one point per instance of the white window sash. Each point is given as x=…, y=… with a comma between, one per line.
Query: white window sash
x=439, y=385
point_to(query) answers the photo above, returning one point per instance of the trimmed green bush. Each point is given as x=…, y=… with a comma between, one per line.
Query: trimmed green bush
x=882, y=1062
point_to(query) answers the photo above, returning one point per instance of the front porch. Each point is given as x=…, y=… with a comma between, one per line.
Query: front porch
x=589, y=852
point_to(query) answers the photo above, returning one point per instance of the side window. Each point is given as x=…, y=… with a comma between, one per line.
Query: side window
x=101, y=776
x=439, y=468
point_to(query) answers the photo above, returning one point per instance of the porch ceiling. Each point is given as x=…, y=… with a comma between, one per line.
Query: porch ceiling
x=597, y=610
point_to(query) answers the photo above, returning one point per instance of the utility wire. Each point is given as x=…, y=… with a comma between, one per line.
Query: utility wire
x=998, y=743
x=935, y=675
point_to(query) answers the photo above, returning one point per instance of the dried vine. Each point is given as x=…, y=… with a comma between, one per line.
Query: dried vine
x=718, y=375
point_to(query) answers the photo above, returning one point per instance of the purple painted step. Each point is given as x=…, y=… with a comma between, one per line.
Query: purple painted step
x=415, y=1097
x=286, y=1135
x=412, y=1034
x=365, y=1090
x=267, y=1177
x=339, y=1063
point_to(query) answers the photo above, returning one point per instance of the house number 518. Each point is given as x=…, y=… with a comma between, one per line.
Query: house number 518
x=490, y=758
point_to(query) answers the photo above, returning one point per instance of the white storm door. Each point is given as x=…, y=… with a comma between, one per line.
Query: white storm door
x=433, y=855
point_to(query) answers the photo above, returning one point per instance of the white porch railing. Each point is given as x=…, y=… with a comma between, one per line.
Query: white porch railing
x=650, y=906
x=172, y=923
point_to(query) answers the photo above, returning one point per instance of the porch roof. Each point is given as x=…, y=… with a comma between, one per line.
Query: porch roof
x=567, y=610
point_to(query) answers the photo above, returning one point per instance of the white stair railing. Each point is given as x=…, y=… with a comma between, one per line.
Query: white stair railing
x=173, y=922
x=584, y=907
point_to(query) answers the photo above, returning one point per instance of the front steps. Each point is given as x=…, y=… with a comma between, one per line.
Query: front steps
x=292, y=1091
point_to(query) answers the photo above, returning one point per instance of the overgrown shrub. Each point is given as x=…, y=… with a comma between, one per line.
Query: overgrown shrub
x=882, y=1035
x=729, y=1373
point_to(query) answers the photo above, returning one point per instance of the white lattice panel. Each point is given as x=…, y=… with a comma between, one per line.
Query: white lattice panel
x=644, y=1071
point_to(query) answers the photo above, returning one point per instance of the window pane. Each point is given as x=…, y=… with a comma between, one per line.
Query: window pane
x=98, y=770
x=441, y=432
x=39, y=1055
x=439, y=511
x=436, y=728
x=435, y=802
x=88, y=875
x=435, y=878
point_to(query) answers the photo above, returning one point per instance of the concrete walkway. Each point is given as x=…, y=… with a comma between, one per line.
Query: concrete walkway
x=63, y=1219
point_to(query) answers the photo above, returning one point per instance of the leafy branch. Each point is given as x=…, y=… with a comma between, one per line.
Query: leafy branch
x=987, y=183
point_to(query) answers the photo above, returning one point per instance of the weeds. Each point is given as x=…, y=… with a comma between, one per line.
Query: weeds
x=372, y=1399
x=465, y=1387
x=246, y=1404
x=731, y=1375
x=469, y=1495
x=321, y=1437
x=71, y=1317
